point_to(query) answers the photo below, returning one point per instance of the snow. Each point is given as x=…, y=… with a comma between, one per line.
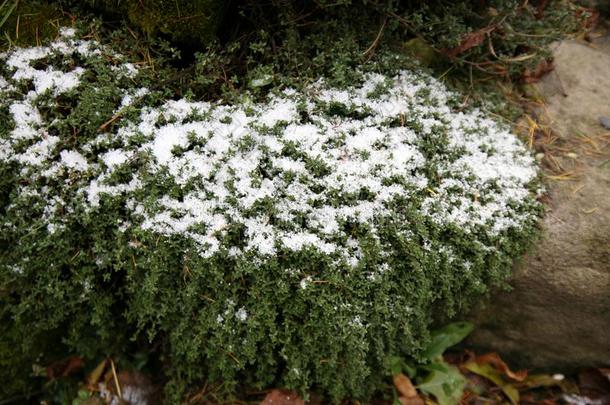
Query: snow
x=289, y=185
x=114, y=158
x=241, y=314
x=73, y=160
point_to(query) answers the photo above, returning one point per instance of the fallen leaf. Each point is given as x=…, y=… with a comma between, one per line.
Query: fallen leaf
x=488, y=371
x=282, y=397
x=469, y=41
x=594, y=383
x=495, y=360
x=416, y=400
x=445, y=337
x=445, y=382
x=531, y=76
x=540, y=380
x=65, y=367
x=404, y=386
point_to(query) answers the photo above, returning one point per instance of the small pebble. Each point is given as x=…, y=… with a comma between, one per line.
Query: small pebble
x=572, y=155
x=539, y=156
x=558, y=377
x=605, y=121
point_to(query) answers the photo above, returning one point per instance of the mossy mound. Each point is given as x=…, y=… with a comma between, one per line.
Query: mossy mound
x=301, y=241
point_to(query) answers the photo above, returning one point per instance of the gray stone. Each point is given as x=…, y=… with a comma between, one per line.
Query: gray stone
x=605, y=121
x=558, y=313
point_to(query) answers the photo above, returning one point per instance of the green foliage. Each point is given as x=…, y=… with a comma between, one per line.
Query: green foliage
x=184, y=21
x=445, y=382
x=6, y=9
x=228, y=47
x=435, y=376
x=28, y=23
x=91, y=290
x=444, y=338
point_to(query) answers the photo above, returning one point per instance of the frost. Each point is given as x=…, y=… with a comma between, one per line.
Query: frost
x=305, y=282
x=73, y=160
x=67, y=32
x=241, y=314
x=293, y=174
x=114, y=158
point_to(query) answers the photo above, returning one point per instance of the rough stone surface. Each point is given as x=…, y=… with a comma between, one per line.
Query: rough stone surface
x=558, y=313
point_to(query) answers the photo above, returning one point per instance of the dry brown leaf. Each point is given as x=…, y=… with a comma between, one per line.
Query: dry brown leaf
x=404, y=385
x=469, y=41
x=65, y=367
x=591, y=17
x=282, y=397
x=532, y=76
x=495, y=360
x=540, y=9
x=416, y=400
x=594, y=384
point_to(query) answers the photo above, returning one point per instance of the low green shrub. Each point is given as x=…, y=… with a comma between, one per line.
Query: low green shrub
x=28, y=23
x=242, y=42
x=301, y=241
x=193, y=22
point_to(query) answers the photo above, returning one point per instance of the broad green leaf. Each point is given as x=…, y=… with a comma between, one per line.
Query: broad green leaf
x=445, y=382
x=445, y=337
x=398, y=365
x=395, y=365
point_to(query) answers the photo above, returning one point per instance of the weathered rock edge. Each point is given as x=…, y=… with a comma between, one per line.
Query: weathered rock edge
x=558, y=314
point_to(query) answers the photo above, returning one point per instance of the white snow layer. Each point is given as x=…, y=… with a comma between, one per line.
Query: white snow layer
x=288, y=172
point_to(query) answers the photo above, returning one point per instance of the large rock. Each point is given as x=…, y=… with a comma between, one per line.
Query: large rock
x=558, y=314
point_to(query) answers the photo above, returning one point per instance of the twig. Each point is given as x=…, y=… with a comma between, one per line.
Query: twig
x=116, y=380
x=110, y=121
x=370, y=49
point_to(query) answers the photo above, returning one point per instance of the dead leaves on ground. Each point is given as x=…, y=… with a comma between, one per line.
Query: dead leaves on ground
x=561, y=158
x=282, y=397
x=489, y=380
x=469, y=41
x=533, y=75
x=463, y=378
